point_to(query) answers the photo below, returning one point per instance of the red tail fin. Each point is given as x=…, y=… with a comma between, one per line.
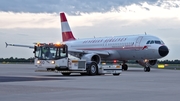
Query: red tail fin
x=66, y=30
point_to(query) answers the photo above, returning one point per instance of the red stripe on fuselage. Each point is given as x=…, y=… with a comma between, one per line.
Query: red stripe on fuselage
x=125, y=48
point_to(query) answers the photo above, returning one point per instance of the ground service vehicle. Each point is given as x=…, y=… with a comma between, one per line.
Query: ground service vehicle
x=54, y=58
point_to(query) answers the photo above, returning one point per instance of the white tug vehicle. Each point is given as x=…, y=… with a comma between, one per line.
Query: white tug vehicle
x=55, y=58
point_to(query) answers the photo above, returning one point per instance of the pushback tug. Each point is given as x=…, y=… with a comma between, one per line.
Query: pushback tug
x=55, y=58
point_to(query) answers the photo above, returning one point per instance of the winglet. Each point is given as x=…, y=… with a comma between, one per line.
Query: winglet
x=66, y=30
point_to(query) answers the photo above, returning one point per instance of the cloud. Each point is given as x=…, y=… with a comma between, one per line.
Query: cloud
x=76, y=7
x=145, y=13
x=69, y=6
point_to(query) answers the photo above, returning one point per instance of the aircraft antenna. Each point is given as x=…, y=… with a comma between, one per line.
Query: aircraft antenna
x=145, y=33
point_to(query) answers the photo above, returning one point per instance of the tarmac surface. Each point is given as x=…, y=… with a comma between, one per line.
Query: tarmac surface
x=20, y=82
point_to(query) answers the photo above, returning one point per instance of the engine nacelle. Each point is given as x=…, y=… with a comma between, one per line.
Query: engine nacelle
x=92, y=57
x=148, y=63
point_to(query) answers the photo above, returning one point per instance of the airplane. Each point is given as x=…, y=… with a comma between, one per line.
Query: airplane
x=145, y=49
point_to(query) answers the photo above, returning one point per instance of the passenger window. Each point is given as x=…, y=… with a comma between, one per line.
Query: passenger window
x=148, y=42
x=152, y=42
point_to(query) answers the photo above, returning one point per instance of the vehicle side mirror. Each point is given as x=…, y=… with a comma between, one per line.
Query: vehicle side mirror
x=64, y=49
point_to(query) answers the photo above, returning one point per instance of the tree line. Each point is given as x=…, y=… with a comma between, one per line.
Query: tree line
x=15, y=60
x=31, y=60
x=169, y=61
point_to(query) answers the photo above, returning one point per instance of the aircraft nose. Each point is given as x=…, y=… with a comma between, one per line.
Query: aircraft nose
x=163, y=51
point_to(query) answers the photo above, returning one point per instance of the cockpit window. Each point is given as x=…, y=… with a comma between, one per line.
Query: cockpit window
x=155, y=42
x=162, y=42
x=152, y=42
x=148, y=42
x=158, y=42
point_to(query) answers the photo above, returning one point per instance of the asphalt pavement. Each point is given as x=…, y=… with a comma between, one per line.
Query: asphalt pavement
x=20, y=82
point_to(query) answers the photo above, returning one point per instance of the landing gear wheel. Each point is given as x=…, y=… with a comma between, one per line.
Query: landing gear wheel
x=147, y=69
x=125, y=67
x=92, y=68
x=66, y=74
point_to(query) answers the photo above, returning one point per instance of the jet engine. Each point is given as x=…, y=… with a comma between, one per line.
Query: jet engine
x=92, y=57
x=147, y=63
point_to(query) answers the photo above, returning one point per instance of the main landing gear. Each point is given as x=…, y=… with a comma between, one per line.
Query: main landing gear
x=146, y=68
x=124, y=67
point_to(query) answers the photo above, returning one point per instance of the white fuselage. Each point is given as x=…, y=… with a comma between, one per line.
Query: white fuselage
x=131, y=47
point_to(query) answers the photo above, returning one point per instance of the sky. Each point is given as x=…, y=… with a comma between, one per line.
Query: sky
x=30, y=21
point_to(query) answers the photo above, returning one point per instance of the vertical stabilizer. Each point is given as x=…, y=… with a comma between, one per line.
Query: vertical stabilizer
x=66, y=30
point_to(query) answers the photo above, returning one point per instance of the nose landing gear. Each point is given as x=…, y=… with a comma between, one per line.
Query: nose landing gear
x=147, y=69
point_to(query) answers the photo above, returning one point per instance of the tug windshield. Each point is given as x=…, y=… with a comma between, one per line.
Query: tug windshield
x=51, y=52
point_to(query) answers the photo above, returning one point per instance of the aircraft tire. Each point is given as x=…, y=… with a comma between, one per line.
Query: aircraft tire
x=147, y=69
x=125, y=67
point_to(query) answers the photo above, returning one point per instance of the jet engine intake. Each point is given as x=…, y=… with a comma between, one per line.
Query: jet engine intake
x=92, y=57
x=147, y=63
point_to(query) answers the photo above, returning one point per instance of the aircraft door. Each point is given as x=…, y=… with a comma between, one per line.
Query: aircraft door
x=138, y=41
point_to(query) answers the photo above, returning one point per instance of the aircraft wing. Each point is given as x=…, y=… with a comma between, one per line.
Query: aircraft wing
x=73, y=52
x=17, y=45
